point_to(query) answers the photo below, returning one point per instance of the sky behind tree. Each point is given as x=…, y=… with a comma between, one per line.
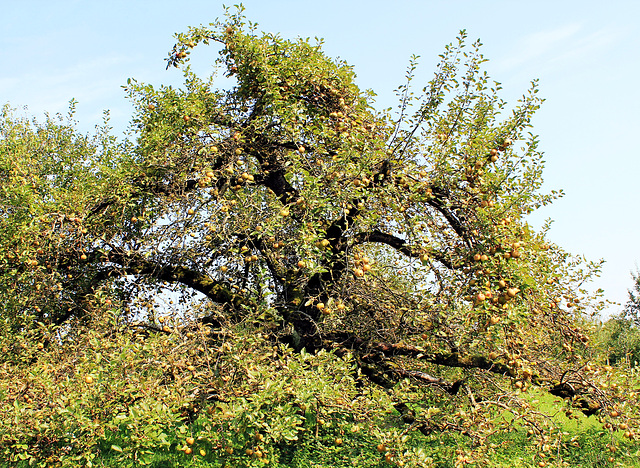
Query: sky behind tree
x=586, y=55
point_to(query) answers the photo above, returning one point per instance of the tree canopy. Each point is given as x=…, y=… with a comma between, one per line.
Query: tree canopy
x=269, y=259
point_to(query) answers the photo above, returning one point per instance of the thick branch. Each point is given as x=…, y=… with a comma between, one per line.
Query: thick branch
x=400, y=245
x=216, y=291
x=448, y=360
x=438, y=202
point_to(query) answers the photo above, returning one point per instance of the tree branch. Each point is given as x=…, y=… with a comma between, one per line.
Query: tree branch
x=215, y=291
x=398, y=244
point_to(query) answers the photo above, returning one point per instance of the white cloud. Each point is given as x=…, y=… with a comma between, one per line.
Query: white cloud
x=567, y=45
x=535, y=45
x=85, y=81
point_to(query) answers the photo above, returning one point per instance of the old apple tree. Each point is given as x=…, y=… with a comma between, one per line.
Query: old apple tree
x=269, y=270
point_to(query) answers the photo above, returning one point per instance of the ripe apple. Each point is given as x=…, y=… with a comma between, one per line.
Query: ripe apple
x=190, y=440
x=88, y=379
x=188, y=451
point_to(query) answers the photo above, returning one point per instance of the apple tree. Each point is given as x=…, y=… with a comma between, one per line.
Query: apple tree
x=270, y=262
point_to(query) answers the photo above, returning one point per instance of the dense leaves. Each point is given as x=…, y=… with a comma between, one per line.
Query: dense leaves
x=272, y=265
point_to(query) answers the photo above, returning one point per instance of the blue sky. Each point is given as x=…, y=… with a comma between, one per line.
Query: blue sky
x=585, y=53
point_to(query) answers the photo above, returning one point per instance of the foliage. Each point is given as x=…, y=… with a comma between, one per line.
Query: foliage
x=620, y=341
x=619, y=337
x=632, y=308
x=276, y=273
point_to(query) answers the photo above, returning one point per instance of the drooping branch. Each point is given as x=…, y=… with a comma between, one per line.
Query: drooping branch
x=380, y=352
